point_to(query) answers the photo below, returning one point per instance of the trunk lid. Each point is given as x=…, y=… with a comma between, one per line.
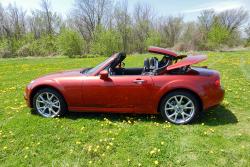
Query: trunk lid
x=189, y=60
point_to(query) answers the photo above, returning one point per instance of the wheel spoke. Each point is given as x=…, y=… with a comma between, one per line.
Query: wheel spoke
x=53, y=111
x=170, y=104
x=41, y=101
x=187, y=103
x=186, y=114
x=56, y=102
x=170, y=108
x=170, y=116
x=182, y=114
x=175, y=98
x=180, y=100
x=55, y=106
x=41, y=97
x=42, y=109
x=51, y=97
x=188, y=107
x=175, y=118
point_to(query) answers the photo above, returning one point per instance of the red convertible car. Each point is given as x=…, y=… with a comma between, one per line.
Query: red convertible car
x=169, y=86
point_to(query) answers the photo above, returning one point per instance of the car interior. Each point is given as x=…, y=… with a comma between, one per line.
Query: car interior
x=151, y=66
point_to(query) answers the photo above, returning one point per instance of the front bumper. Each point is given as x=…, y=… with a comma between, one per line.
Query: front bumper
x=26, y=96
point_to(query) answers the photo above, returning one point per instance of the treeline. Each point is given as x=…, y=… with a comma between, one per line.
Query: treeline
x=100, y=27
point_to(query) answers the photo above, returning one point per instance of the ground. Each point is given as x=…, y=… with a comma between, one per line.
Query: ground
x=220, y=137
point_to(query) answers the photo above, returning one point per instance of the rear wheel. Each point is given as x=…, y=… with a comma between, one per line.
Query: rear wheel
x=179, y=107
x=49, y=103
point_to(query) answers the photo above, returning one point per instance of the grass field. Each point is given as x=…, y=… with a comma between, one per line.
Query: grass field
x=221, y=137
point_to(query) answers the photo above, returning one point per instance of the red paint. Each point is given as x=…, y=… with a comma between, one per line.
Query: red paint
x=131, y=93
x=162, y=51
x=187, y=61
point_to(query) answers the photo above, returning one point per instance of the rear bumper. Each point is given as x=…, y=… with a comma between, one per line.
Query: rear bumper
x=215, y=98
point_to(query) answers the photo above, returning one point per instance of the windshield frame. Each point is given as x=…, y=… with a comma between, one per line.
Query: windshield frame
x=97, y=69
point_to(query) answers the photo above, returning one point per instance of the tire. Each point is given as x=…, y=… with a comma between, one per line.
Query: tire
x=180, y=107
x=49, y=103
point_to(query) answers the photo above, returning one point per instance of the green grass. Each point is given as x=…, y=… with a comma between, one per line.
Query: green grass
x=221, y=137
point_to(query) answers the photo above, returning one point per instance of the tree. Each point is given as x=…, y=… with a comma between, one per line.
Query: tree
x=172, y=29
x=205, y=22
x=217, y=35
x=70, y=43
x=46, y=11
x=44, y=21
x=89, y=14
x=247, y=31
x=123, y=23
x=233, y=19
x=143, y=14
x=105, y=42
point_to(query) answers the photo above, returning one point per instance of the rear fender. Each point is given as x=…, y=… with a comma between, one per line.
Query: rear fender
x=180, y=84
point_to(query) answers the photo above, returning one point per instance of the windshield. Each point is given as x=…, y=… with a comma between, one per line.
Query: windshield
x=92, y=70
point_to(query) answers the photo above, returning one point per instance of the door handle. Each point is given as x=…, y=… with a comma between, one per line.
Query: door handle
x=138, y=81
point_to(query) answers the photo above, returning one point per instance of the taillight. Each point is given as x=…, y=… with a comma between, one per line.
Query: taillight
x=217, y=83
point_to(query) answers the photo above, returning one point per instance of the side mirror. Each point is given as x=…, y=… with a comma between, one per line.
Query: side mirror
x=104, y=74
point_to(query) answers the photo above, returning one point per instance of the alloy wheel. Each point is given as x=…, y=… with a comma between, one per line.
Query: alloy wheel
x=48, y=104
x=179, y=109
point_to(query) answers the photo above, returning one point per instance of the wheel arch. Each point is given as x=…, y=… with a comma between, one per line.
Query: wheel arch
x=39, y=87
x=181, y=89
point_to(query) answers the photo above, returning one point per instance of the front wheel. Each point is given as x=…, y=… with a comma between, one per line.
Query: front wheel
x=179, y=107
x=49, y=103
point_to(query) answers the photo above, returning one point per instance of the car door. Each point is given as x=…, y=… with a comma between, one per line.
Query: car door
x=130, y=93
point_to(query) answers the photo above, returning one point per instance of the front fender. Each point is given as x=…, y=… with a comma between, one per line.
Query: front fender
x=33, y=87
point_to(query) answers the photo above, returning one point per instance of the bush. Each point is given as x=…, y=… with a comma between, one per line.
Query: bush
x=217, y=36
x=45, y=46
x=70, y=43
x=106, y=42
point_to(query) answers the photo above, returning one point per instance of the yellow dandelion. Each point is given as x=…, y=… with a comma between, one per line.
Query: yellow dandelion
x=162, y=143
x=152, y=152
x=5, y=147
x=90, y=162
x=156, y=162
x=78, y=142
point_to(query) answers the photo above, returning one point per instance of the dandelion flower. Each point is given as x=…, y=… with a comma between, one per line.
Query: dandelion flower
x=78, y=142
x=156, y=163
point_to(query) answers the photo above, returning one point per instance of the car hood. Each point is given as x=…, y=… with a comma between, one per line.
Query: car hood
x=68, y=73
x=189, y=60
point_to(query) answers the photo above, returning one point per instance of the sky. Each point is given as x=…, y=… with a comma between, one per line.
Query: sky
x=190, y=9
